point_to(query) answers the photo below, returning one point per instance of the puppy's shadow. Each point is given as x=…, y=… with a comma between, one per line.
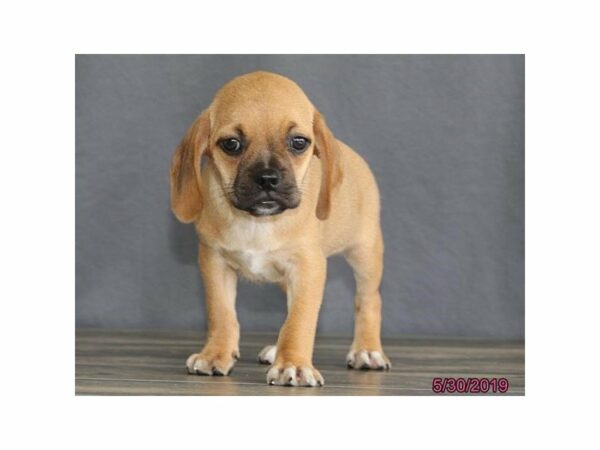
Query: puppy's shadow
x=183, y=241
x=337, y=312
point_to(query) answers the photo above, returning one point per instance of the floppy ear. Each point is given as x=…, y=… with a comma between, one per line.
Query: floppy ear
x=326, y=149
x=186, y=185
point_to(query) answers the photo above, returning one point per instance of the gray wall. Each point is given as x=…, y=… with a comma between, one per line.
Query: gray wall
x=444, y=136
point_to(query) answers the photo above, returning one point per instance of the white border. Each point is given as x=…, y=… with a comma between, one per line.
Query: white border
x=39, y=40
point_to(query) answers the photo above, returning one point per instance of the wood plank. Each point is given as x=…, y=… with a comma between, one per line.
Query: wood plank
x=146, y=362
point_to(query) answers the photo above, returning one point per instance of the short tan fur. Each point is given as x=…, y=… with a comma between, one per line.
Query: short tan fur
x=332, y=206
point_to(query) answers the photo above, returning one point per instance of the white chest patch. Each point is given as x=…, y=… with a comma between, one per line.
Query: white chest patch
x=254, y=265
x=251, y=249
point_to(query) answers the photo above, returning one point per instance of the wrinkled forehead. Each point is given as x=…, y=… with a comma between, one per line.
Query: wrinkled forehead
x=270, y=105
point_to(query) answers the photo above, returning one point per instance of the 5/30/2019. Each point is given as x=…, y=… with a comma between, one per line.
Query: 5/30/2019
x=471, y=385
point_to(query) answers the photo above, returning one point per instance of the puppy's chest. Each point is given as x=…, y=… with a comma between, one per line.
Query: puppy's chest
x=256, y=266
x=252, y=250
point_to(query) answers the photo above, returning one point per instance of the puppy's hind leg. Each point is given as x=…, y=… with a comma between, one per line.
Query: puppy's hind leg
x=366, y=352
x=268, y=353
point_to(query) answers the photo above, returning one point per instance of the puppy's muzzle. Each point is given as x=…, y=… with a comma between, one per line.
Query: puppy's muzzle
x=265, y=191
x=267, y=181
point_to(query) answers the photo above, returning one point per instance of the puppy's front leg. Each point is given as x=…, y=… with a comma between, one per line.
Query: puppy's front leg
x=221, y=349
x=305, y=284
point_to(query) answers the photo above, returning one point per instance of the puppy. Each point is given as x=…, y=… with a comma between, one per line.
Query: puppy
x=277, y=195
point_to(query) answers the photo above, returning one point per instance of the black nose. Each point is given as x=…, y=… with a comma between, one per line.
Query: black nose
x=268, y=179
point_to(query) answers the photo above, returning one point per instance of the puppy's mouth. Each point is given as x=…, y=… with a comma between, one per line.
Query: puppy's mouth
x=266, y=208
x=265, y=204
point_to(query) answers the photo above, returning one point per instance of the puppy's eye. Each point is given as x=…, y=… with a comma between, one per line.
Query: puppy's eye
x=298, y=144
x=231, y=146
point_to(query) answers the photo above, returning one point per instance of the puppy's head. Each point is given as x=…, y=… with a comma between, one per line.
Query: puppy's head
x=260, y=132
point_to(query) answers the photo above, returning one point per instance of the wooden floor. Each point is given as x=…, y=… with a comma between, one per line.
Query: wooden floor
x=153, y=363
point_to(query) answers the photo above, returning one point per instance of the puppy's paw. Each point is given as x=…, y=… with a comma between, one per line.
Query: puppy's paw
x=212, y=362
x=282, y=374
x=267, y=354
x=367, y=360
